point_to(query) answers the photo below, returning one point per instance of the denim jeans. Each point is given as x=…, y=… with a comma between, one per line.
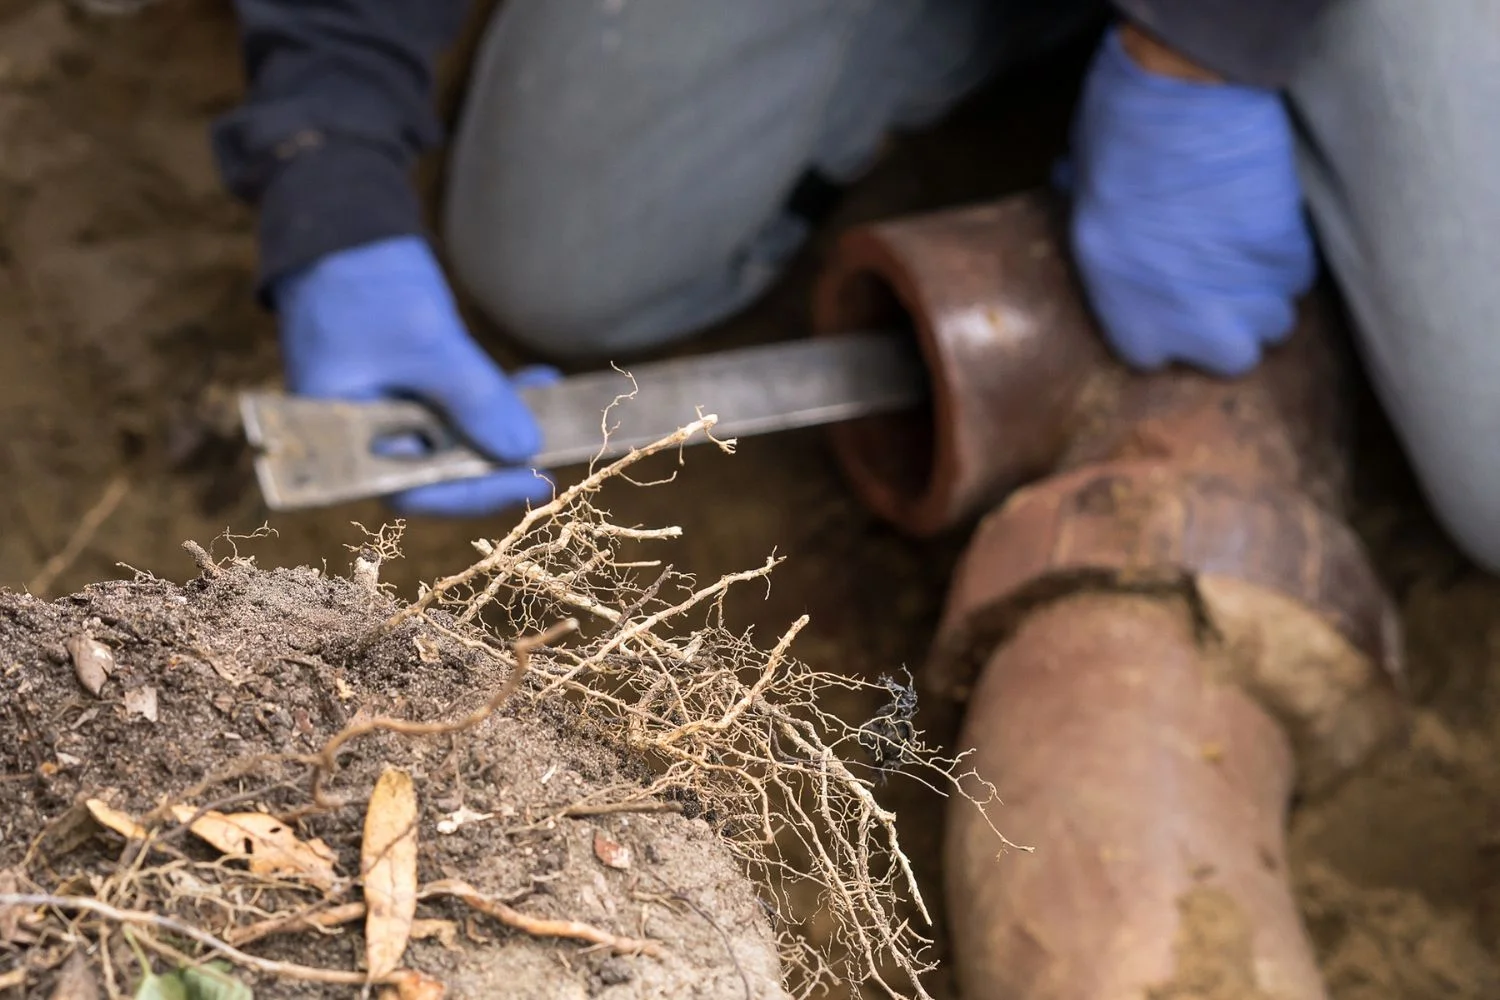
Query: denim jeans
x=621, y=174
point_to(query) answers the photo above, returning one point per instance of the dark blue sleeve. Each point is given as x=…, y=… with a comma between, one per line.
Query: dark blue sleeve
x=1253, y=42
x=339, y=104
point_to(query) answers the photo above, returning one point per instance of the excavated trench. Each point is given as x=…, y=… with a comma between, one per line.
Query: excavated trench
x=127, y=324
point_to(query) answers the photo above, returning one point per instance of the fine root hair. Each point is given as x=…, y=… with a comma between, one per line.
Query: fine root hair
x=737, y=731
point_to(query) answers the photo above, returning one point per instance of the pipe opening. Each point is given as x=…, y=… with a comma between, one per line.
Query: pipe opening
x=892, y=453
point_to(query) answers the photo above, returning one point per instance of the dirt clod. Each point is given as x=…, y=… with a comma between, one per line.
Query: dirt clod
x=1215, y=960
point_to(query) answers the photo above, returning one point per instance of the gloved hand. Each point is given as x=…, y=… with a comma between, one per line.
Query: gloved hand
x=1187, y=223
x=380, y=321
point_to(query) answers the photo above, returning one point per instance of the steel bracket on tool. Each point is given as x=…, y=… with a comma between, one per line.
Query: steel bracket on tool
x=315, y=453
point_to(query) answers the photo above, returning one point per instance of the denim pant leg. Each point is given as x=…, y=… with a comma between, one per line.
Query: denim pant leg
x=621, y=172
x=1400, y=107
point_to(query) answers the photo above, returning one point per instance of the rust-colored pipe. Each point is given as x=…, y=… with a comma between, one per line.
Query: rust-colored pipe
x=1171, y=626
x=1146, y=787
x=987, y=294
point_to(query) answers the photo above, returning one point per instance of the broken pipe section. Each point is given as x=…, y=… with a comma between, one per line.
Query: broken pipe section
x=1161, y=632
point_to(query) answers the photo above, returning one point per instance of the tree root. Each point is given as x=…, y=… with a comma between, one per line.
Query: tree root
x=538, y=926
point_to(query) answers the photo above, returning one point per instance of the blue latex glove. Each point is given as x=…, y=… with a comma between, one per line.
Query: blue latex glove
x=379, y=321
x=1187, y=223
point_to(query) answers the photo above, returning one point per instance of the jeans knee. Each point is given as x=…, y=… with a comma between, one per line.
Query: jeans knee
x=544, y=318
x=613, y=300
x=547, y=301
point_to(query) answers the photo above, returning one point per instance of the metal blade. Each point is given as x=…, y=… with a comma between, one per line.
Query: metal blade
x=313, y=453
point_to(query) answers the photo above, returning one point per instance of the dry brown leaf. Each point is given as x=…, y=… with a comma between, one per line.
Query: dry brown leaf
x=92, y=662
x=413, y=985
x=113, y=819
x=610, y=852
x=142, y=701
x=388, y=860
x=76, y=981
x=269, y=844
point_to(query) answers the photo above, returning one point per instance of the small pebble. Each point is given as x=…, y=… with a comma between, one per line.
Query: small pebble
x=614, y=972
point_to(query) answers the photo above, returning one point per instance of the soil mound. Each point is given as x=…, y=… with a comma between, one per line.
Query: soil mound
x=218, y=694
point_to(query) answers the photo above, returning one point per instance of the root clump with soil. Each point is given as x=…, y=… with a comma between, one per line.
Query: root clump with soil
x=555, y=774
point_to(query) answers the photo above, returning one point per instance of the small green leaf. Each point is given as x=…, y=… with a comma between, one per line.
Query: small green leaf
x=155, y=987
x=213, y=981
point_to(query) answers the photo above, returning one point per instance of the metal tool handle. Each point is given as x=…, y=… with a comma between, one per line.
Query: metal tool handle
x=319, y=452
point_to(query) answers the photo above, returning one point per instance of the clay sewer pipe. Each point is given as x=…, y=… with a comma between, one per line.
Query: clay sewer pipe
x=1160, y=630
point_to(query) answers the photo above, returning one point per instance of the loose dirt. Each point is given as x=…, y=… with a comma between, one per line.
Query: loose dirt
x=126, y=322
x=1215, y=956
x=247, y=667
